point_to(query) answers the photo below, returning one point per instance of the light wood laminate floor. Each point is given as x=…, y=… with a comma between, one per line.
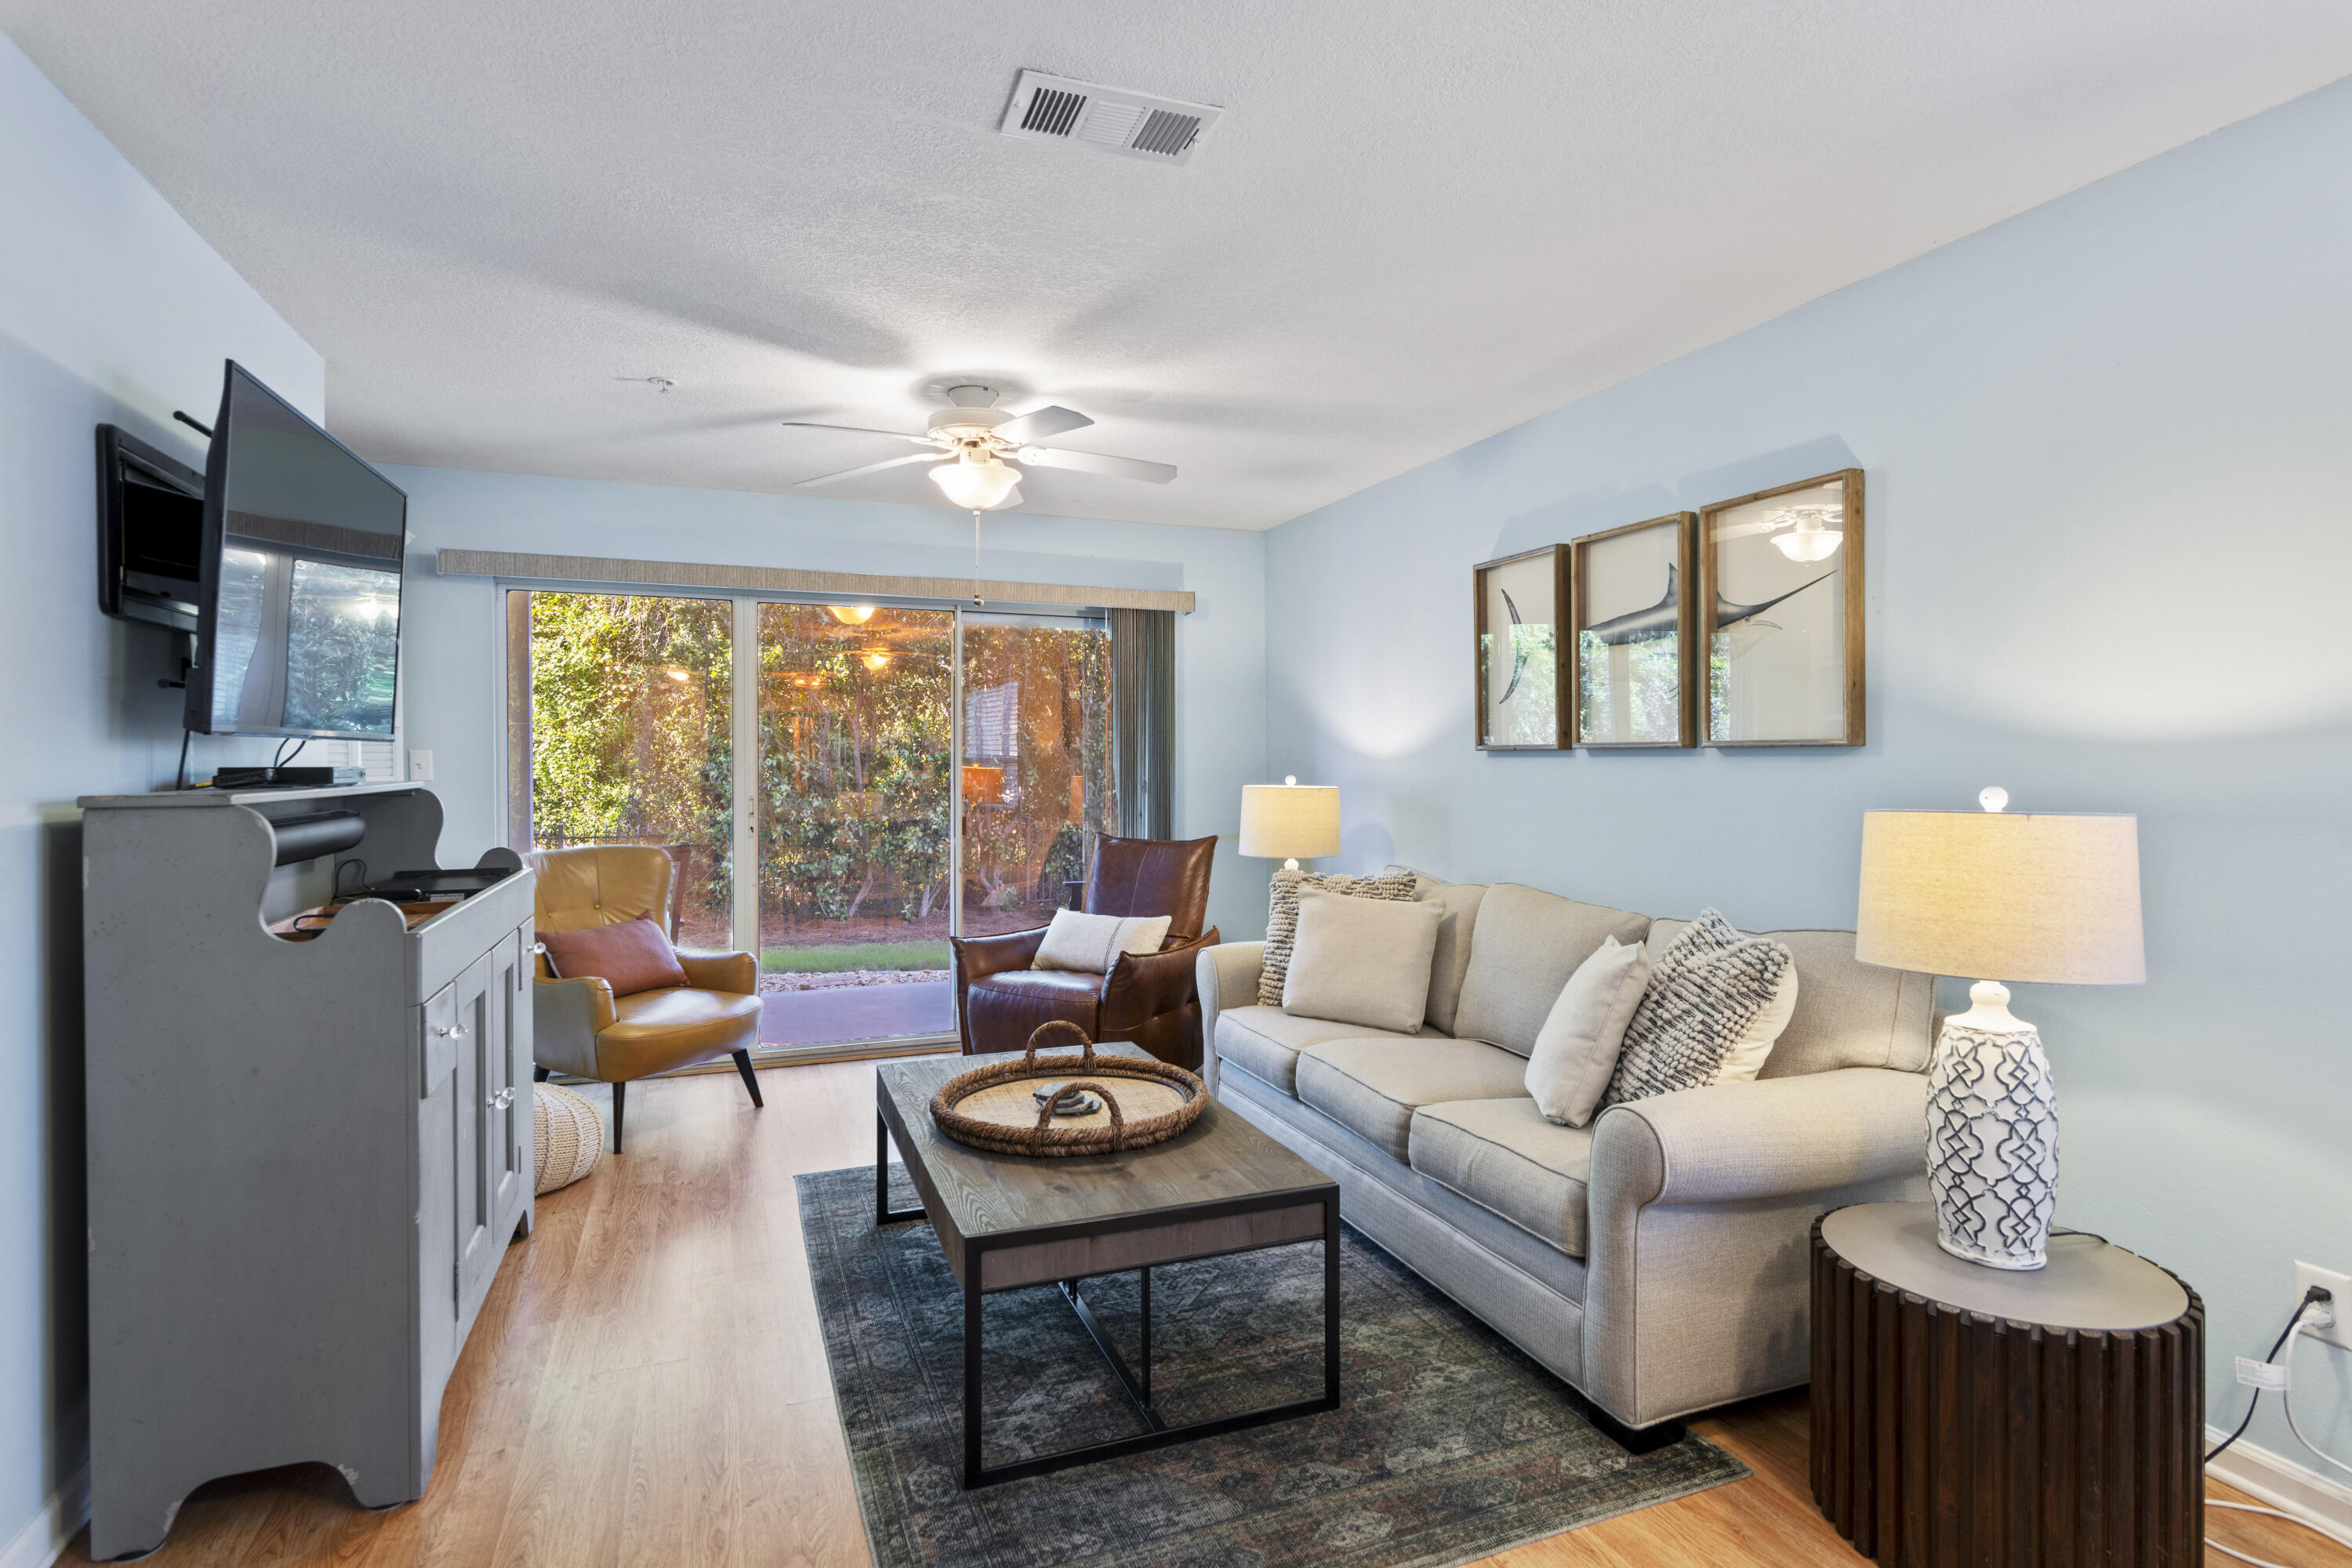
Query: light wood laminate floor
x=646, y=1386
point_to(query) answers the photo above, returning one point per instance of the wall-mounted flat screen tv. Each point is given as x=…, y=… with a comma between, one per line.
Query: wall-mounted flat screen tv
x=300, y=603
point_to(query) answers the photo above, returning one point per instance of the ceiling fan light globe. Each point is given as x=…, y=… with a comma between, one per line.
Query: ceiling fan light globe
x=976, y=485
x=1809, y=542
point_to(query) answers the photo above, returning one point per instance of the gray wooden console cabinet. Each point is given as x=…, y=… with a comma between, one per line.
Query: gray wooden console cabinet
x=305, y=1158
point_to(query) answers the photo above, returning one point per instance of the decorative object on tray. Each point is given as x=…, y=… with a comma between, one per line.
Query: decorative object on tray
x=1633, y=617
x=995, y=1108
x=1068, y=1102
x=1779, y=615
x=1989, y=896
x=1518, y=601
x=566, y=1136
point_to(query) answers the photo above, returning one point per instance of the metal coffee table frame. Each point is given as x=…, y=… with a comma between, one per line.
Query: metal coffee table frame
x=1134, y=1382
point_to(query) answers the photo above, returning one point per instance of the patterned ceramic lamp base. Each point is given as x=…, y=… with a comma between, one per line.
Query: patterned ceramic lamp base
x=1992, y=1137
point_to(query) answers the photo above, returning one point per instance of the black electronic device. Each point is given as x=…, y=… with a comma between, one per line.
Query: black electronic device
x=151, y=532
x=287, y=778
x=298, y=605
x=436, y=887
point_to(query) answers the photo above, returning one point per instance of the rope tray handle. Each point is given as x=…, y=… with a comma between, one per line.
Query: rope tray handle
x=1029, y=1057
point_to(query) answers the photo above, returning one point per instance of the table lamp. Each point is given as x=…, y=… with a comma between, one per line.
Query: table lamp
x=1289, y=820
x=1991, y=896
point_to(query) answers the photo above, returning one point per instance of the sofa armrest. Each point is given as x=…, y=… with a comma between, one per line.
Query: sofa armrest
x=735, y=972
x=1227, y=977
x=1700, y=1204
x=566, y=1015
x=1771, y=1138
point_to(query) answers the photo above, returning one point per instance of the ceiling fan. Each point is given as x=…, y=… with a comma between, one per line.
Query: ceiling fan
x=975, y=445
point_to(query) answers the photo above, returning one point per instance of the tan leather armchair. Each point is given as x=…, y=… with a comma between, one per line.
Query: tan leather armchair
x=581, y=1028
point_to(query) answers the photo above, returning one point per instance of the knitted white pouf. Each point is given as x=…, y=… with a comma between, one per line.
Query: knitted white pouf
x=566, y=1136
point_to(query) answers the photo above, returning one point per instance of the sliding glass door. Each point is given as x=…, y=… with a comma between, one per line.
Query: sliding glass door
x=855, y=827
x=1037, y=765
x=892, y=775
x=628, y=703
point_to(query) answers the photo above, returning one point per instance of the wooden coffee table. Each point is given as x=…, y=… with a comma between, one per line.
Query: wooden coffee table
x=1006, y=1221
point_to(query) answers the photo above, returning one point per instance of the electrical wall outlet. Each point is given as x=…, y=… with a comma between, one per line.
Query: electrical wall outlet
x=420, y=767
x=2339, y=1332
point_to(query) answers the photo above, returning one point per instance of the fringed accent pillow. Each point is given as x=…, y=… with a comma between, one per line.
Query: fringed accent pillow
x=1282, y=917
x=1697, y=1017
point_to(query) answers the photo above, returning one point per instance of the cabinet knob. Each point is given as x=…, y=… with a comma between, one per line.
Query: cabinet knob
x=455, y=1031
x=503, y=1099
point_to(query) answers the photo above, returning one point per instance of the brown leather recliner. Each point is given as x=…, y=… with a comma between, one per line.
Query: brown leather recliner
x=580, y=1027
x=1151, y=1000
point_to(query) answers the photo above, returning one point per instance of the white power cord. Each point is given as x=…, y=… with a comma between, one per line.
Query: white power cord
x=2286, y=1399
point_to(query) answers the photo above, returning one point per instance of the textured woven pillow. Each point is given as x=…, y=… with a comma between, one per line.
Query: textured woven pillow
x=1090, y=944
x=1706, y=993
x=1282, y=918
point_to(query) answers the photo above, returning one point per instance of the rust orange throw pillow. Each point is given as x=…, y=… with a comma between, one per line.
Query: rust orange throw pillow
x=632, y=956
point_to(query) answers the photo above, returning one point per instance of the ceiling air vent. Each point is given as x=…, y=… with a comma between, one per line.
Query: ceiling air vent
x=1134, y=124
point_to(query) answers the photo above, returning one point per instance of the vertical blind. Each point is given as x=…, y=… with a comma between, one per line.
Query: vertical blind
x=1144, y=720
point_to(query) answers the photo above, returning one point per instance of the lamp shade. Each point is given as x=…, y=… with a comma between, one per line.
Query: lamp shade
x=1989, y=895
x=1295, y=822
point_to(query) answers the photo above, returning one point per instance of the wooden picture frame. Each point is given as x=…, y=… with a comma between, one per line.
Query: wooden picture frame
x=1613, y=643
x=1534, y=672
x=1807, y=688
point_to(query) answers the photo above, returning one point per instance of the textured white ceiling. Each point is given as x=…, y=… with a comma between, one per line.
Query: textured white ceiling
x=1417, y=224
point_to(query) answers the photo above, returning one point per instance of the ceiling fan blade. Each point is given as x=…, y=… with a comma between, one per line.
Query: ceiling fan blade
x=1097, y=463
x=869, y=468
x=1044, y=422
x=860, y=430
x=1741, y=530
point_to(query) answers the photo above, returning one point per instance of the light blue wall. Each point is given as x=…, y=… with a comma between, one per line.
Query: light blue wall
x=112, y=310
x=455, y=704
x=2109, y=455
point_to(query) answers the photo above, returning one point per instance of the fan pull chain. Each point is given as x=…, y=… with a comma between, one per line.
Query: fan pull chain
x=978, y=602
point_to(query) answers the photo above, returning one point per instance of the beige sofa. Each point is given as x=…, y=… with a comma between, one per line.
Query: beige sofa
x=1657, y=1259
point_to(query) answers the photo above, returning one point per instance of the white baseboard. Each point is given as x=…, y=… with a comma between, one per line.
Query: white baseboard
x=2286, y=1485
x=49, y=1532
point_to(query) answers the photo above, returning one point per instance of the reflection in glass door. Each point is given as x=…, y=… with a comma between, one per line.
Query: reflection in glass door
x=630, y=737
x=854, y=822
x=1036, y=768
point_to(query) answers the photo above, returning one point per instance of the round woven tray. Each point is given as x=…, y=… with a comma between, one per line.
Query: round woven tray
x=995, y=1108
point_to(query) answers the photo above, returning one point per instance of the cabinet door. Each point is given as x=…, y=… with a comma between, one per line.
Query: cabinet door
x=480, y=1013
x=508, y=1090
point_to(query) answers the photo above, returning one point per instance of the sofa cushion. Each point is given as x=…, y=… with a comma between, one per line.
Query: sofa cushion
x=1528, y=944
x=1265, y=1042
x=1372, y=1087
x=1849, y=1013
x=1282, y=917
x=1503, y=1156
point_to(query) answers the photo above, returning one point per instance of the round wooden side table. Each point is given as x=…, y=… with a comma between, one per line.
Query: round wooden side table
x=1966, y=1415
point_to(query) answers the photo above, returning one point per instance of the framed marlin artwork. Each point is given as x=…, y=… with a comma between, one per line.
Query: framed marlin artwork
x=1517, y=603
x=1780, y=616
x=1634, y=618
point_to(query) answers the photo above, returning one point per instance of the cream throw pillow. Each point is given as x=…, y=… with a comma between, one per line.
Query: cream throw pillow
x=1361, y=960
x=1090, y=944
x=1282, y=917
x=1576, y=1050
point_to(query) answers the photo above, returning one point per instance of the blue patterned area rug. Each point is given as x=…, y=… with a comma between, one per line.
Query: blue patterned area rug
x=1449, y=1444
